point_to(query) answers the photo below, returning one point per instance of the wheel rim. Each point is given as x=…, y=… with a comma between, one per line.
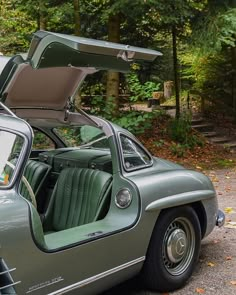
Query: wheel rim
x=178, y=246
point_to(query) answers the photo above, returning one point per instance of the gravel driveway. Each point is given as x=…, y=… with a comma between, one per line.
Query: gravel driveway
x=216, y=270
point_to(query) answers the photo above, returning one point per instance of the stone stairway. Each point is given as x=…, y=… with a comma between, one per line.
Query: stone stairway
x=223, y=136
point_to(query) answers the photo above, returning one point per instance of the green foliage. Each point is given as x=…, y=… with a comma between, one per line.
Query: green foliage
x=170, y=13
x=225, y=163
x=215, y=28
x=41, y=141
x=181, y=132
x=94, y=84
x=61, y=18
x=139, y=91
x=209, y=26
x=159, y=143
x=134, y=121
x=20, y=19
x=16, y=29
x=71, y=136
x=209, y=62
x=179, y=129
x=98, y=106
x=210, y=74
x=178, y=149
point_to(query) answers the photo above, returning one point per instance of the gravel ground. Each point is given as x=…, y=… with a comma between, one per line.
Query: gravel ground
x=216, y=270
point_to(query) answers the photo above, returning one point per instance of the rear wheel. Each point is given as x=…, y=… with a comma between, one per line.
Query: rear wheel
x=174, y=249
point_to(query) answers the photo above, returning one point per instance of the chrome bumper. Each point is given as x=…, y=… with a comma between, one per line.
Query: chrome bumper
x=220, y=218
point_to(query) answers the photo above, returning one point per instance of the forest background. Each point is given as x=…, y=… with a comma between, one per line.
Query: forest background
x=196, y=37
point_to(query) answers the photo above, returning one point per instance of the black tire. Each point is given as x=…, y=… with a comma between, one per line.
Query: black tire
x=173, y=250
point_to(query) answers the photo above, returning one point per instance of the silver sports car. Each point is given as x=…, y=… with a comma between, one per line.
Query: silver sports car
x=90, y=207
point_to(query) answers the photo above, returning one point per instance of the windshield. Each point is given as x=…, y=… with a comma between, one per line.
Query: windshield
x=83, y=136
x=10, y=148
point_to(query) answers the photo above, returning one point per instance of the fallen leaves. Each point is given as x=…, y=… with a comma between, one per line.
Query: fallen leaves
x=216, y=241
x=159, y=143
x=229, y=210
x=213, y=178
x=231, y=224
x=228, y=189
x=228, y=258
x=200, y=290
x=198, y=167
x=211, y=264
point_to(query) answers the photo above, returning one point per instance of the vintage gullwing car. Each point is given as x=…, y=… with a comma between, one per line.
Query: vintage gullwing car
x=92, y=207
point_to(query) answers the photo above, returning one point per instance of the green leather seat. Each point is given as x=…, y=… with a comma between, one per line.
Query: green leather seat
x=80, y=196
x=36, y=174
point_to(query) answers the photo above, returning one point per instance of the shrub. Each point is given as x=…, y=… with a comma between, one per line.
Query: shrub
x=135, y=121
x=180, y=131
x=139, y=91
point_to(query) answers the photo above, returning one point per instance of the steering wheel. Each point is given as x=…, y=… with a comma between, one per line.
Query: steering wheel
x=26, y=183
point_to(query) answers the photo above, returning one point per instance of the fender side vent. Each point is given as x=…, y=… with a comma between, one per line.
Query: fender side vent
x=6, y=282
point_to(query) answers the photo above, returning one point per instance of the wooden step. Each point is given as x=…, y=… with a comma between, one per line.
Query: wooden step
x=203, y=127
x=197, y=121
x=220, y=140
x=209, y=134
x=232, y=145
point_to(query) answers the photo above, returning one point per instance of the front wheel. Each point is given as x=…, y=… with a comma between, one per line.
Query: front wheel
x=174, y=249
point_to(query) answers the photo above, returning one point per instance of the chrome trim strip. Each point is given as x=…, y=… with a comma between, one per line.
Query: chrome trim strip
x=10, y=285
x=7, y=271
x=97, y=277
x=7, y=109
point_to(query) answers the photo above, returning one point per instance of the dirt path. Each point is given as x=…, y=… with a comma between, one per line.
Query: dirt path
x=216, y=270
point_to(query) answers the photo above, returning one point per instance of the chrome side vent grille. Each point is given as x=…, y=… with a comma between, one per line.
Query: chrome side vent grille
x=6, y=282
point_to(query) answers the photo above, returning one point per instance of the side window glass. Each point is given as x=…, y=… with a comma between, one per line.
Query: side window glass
x=11, y=146
x=83, y=136
x=42, y=141
x=133, y=155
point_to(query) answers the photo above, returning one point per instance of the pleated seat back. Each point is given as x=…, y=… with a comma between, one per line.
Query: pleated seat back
x=36, y=174
x=80, y=196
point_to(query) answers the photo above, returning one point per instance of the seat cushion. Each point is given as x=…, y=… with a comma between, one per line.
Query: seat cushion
x=78, y=198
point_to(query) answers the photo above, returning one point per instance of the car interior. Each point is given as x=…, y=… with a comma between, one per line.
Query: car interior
x=70, y=192
x=71, y=188
x=44, y=173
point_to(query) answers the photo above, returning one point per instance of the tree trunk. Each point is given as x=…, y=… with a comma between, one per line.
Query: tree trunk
x=42, y=16
x=233, y=50
x=77, y=17
x=176, y=71
x=113, y=78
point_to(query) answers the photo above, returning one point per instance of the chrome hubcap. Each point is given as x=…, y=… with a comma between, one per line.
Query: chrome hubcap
x=176, y=245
